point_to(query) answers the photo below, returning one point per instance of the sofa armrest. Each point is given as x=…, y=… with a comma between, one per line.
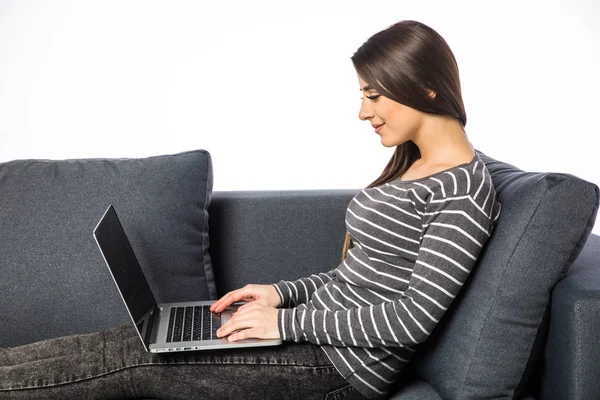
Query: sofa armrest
x=572, y=351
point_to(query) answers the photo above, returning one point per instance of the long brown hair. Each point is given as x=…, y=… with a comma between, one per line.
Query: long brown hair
x=402, y=62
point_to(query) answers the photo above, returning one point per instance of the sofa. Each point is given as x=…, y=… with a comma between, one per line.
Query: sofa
x=526, y=324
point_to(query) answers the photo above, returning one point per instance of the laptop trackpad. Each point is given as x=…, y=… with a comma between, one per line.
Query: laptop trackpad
x=226, y=315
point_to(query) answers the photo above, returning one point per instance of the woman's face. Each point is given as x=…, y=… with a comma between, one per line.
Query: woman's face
x=394, y=122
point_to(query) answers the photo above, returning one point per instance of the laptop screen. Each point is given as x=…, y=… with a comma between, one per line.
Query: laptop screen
x=124, y=266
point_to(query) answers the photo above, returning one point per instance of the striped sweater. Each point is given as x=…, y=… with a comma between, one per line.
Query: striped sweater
x=415, y=243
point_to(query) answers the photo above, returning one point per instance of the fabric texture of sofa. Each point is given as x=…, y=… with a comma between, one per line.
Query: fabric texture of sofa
x=525, y=325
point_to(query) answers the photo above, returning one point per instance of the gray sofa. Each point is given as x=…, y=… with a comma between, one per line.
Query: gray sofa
x=526, y=325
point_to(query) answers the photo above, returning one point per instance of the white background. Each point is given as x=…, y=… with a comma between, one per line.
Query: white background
x=268, y=88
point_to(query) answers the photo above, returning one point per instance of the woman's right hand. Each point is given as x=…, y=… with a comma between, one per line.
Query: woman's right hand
x=262, y=294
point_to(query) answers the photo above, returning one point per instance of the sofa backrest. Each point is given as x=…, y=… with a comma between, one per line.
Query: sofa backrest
x=265, y=236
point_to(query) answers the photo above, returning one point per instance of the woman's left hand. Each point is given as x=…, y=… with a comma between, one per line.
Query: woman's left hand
x=252, y=320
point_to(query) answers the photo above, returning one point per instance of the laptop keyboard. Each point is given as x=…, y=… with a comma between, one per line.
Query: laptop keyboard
x=192, y=323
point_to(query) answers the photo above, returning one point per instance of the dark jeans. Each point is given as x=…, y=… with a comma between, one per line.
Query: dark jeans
x=113, y=364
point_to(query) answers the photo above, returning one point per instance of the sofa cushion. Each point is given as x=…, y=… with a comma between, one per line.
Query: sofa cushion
x=487, y=343
x=409, y=386
x=53, y=278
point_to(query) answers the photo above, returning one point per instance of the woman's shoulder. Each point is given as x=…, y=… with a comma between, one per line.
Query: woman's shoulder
x=449, y=180
x=467, y=187
x=470, y=178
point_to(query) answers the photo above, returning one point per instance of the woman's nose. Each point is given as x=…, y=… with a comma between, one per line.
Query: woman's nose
x=364, y=112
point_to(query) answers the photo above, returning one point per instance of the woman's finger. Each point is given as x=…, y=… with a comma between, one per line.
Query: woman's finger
x=217, y=303
x=243, y=334
x=249, y=306
x=236, y=322
x=228, y=299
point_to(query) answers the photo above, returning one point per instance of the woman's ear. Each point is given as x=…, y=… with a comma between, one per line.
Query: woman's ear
x=430, y=93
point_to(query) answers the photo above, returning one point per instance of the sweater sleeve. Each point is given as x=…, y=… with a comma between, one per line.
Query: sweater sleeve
x=293, y=293
x=453, y=233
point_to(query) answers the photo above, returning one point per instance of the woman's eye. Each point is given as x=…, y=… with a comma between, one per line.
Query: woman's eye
x=372, y=97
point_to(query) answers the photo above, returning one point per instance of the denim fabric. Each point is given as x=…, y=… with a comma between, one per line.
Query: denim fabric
x=113, y=364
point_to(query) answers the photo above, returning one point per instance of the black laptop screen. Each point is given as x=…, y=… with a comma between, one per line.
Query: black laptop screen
x=124, y=266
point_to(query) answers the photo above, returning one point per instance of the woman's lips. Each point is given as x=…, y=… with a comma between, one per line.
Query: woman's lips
x=379, y=128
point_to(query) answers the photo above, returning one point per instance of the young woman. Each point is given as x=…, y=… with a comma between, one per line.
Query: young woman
x=413, y=237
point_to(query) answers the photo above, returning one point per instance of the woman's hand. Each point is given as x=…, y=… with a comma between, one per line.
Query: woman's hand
x=252, y=320
x=265, y=295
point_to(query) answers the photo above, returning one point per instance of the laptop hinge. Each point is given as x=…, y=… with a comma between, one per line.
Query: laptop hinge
x=152, y=333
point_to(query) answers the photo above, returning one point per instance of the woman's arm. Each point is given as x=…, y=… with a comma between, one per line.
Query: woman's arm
x=453, y=234
x=293, y=293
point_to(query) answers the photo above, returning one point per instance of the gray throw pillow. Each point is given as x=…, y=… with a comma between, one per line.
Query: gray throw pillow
x=487, y=343
x=53, y=278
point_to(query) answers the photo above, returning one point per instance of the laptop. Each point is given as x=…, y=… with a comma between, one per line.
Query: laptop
x=165, y=327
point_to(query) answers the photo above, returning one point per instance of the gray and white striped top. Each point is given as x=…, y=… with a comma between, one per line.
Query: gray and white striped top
x=415, y=243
